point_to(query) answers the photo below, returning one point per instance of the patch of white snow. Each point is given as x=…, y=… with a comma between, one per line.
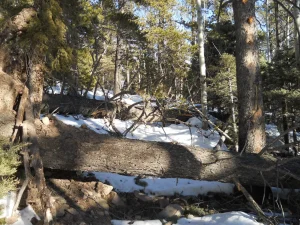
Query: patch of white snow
x=164, y=186
x=26, y=215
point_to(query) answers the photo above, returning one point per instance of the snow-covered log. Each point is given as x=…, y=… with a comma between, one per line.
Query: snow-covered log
x=69, y=148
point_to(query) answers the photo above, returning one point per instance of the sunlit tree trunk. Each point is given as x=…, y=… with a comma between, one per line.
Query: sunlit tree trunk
x=268, y=33
x=297, y=28
x=35, y=86
x=250, y=107
x=117, y=78
x=235, y=130
x=200, y=21
x=277, y=27
x=288, y=31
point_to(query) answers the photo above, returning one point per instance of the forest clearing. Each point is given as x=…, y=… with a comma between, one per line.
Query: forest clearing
x=149, y=112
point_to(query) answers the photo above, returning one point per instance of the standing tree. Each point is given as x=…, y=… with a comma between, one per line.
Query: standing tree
x=251, y=118
x=202, y=61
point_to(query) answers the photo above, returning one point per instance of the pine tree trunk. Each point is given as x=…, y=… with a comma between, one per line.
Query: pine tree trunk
x=117, y=79
x=202, y=62
x=251, y=118
x=35, y=86
x=288, y=31
x=285, y=120
x=277, y=27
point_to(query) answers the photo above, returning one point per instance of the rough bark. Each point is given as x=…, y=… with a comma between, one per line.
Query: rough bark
x=17, y=24
x=35, y=86
x=39, y=183
x=21, y=105
x=9, y=90
x=251, y=119
x=69, y=148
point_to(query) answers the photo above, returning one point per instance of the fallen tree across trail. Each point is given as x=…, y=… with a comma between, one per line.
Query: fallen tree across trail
x=69, y=148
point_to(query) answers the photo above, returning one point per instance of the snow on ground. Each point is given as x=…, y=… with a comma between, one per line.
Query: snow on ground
x=181, y=134
x=283, y=193
x=272, y=130
x=26, y=215
x=7, y=204
x=230, y=218
x=99, y=94
x=164, y=186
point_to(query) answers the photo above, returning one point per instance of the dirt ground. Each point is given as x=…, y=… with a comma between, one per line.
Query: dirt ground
x=80, y=200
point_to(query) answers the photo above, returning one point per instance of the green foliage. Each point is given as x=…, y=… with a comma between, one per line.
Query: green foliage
x=219, y=85
x=85, y=64
x=63, y=60
x=9, y=161
x=281, y=77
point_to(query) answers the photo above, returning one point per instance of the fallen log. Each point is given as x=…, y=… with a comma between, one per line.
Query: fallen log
x=66, y=104
x=69, y=148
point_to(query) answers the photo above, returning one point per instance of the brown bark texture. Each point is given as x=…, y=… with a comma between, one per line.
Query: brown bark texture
x=69, y=148
x=9, y=90
x=250, y=108
x=19, y=105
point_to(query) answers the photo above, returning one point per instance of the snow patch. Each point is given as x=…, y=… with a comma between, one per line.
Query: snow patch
x=26, y=215
x=7, y=204
x=229, y=218
x=181, y=134
x=164, y=186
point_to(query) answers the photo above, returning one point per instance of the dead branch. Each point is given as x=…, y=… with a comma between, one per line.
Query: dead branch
x=20, y=113
x=269, y=149
x=212, y=124
x=28, y=175
x=252, y=202
x=276, y=139
x=135, y=122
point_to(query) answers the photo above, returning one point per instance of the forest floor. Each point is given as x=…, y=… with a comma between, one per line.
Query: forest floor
x=79, y=200
x=75, y=206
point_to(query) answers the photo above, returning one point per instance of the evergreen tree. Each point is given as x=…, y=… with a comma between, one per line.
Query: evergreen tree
x=9, y=161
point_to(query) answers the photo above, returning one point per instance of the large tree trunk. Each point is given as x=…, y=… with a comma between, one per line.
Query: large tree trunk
x=68, y=148
x=8, y=96
x=202, y=61
x=15, y=103
x=35, y=86
x=15, y=98
x=251, y=118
